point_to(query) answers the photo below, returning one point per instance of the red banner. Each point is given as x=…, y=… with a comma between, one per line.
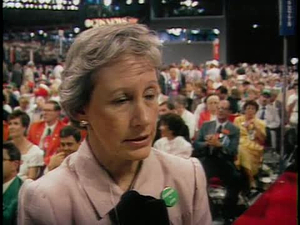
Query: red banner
x=216, y=49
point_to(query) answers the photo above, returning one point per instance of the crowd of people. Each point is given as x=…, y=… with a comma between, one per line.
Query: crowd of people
x=223, y=115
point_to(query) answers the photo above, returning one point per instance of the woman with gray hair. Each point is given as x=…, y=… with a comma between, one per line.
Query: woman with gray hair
x=109, y=86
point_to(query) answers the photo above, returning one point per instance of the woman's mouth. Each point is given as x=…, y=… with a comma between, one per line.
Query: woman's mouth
x=138, y=142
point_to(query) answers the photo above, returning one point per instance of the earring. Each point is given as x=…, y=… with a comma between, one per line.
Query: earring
x=84, y=123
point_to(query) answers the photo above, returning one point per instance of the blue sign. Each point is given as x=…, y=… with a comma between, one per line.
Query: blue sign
x=287, y=17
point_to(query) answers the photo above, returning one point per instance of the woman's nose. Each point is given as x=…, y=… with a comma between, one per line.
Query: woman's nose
x=141, y=115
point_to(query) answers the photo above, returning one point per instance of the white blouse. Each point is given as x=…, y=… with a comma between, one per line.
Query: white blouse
x=33, y=158
x=178, y=146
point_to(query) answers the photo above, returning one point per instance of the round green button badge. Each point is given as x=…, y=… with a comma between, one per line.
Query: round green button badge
x=170, y=196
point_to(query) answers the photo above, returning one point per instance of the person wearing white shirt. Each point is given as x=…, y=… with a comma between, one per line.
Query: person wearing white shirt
x=270, y=115
x=31, y=155
x=58, y=69
x=292, y=106
x=180, y=103
x=174, y=136
x=213, y=72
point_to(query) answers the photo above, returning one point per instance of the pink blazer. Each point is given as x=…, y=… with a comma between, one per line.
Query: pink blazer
x=80, y=191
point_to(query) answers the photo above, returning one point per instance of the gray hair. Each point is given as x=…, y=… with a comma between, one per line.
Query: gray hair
x=97, y=48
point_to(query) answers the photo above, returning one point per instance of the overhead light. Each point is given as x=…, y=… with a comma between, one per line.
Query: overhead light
x=18, y=5
x=11, y=4
x=189, y=41
x=188, y=3
x=200, y=10
x=45, y=35
x=107, y=2
x=255, y=26
x=294, y=61
x=141, y=1
x=175, y=31
x=216, y=31
x=163, y=2
x=128, y=2
x=76, y=2
x=197, y=31
x=31, y=34
x=194, y=4
x=76, y=30
x=41, y=32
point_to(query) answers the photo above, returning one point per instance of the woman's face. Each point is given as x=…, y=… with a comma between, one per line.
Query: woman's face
x=209, y=83
x=123, y=110
x=212, y=104
x=15, y=128
x=250, y=111
x=165, y=131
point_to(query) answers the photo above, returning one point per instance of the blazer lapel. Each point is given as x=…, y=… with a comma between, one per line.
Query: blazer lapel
x=101, y=190
x=212, y=127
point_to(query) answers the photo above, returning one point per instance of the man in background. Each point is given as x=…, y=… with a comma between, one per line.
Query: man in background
x=70, y=139
x=11, y=182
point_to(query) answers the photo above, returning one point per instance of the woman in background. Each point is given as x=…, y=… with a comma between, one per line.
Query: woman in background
x=252, y=138
x=31, y=155
x=174, y=136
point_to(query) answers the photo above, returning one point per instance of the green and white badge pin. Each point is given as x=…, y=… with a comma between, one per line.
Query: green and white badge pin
x=170, y=196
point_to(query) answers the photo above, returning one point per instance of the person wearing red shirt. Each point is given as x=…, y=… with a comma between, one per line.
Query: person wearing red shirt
x=45, y=133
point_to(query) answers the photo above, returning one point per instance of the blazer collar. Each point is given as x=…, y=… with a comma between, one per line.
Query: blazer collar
x=102, y=192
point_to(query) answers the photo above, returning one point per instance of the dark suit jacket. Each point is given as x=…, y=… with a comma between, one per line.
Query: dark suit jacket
x=228, y=150
x=10, y=202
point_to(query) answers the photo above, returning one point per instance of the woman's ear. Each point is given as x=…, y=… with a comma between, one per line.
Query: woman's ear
x=81, y=115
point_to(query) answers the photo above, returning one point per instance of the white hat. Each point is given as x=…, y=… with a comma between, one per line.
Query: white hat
x=30, y=63
x=214, y=62
x=45, y=87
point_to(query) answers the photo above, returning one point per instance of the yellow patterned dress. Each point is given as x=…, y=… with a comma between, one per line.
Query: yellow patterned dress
x=250, y=150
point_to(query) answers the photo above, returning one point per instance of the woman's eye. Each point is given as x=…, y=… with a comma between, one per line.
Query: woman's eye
x=121, y=101
x=150, y=96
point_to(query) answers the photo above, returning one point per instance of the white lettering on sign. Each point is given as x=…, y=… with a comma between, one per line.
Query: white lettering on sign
x=88, y=23
x=289, y=13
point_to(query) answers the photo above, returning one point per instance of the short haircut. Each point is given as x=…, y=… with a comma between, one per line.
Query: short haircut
x=246, y=82
x=12, y=150
x=97, y=48
x=181, y=100
x=70, y=131
x=24, y=98
x=55, y=104
x=201, y=85
x=175, y=124
x=251, y=102
x=210, y=95
x=24, y=118
x=170, y=105
x=223, y=90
